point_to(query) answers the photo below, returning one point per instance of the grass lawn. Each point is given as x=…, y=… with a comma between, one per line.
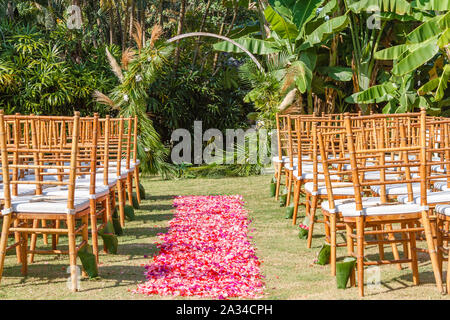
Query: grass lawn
x=286, y=263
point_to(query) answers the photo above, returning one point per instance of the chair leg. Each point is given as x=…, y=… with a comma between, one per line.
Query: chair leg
x=23, y=250
x=360, y=255
x=94, y=231
x=129, y=186
x=296, y=201
x=277, y=191
x=432, y=251
x=17, y=239
x=394, y=246
x=85, y=234
x=333, y=244
x=380, y=237
x=45, y=236
x=413, y=255
x=33, y=240
x=136, y=181
x=327, y=223
x=448, y=273
x=312, y=216
x=405, y=244
x=109, y=208
x=57, y=224
x=4, y=241
x=350, y=250
x=439, y=239
x=307, y=202
x=120, y=193
x=72, y=252
x=289, y=187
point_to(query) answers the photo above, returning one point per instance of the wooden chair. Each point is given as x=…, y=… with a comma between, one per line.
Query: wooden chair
x=18, y=213
x=365, y=212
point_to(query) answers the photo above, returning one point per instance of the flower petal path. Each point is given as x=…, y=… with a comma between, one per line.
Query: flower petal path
x=206, y=252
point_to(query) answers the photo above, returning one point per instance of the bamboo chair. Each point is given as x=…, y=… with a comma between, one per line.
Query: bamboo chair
x=364, y=212
x=19, y=212
x=316, y=190
x=89, y=182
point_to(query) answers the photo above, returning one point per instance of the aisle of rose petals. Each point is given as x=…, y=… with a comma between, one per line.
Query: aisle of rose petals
x=206, y=252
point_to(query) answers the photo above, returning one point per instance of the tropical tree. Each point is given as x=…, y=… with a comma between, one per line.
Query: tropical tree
x=420, y=70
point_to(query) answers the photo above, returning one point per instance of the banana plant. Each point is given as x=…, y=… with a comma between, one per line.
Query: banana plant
x=425, y=47
x=298, y=29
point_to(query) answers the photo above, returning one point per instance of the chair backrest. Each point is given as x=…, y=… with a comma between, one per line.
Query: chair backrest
x=42, y=151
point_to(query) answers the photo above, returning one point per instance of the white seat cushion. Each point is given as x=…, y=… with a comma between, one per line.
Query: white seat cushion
x=47, y=204
x=443, y=209
x=80, y=191
x=86, y=181
x=322, y=190
x=310, y=176
x=22, y=190
x=32, y=177
x=437, y=168
x=441, y=185
x=371, y=207
x=397, y=189
x=285, y=159
x=305, y=167
x=375, y=175
x=432, y=197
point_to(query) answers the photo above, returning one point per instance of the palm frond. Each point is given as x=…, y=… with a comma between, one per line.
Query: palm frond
x=288, y=100
x=156, y=34
x=104, y=99
x=127, y=57
x=137, y=35
x=114, y=65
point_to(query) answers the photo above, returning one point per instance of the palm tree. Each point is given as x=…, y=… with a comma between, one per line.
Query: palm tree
x=180, y=31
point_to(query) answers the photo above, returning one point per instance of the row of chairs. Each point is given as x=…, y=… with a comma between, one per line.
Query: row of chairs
x=60, y=176
x=381, y=179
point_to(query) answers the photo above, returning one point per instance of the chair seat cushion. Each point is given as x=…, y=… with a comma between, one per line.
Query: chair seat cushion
x=22, y=190
x=80, y=191
x=308, y=167
x=47, y=204
x=310, y=176
x=432, y=197
x=371, y=207
x=443, y=209
x=437, y=168
x=86, y=181
x=322, y=190
x=397, y=189
x=441, y=185
x=375, y=175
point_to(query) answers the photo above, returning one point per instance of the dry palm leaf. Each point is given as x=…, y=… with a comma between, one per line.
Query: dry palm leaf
x=288, y=100
x=104, y=99
x=137, y=35
x=156, y=34
x=114, y=65
x=127, y=56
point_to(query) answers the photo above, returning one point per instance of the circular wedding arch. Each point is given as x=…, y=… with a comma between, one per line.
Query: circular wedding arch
x=213, y=35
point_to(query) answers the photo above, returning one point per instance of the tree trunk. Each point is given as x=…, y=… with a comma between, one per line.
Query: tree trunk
x=161, y=13
x=119, y=21
x=132, y=18
x=125, y=25
x=111, y=27
x=202, y=25
x=222, y=28
x=180, y=31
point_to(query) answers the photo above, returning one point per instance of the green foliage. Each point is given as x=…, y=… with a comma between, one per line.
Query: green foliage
x=41, y=73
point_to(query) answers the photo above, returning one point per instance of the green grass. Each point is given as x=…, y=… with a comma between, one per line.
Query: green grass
x=286, y=262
